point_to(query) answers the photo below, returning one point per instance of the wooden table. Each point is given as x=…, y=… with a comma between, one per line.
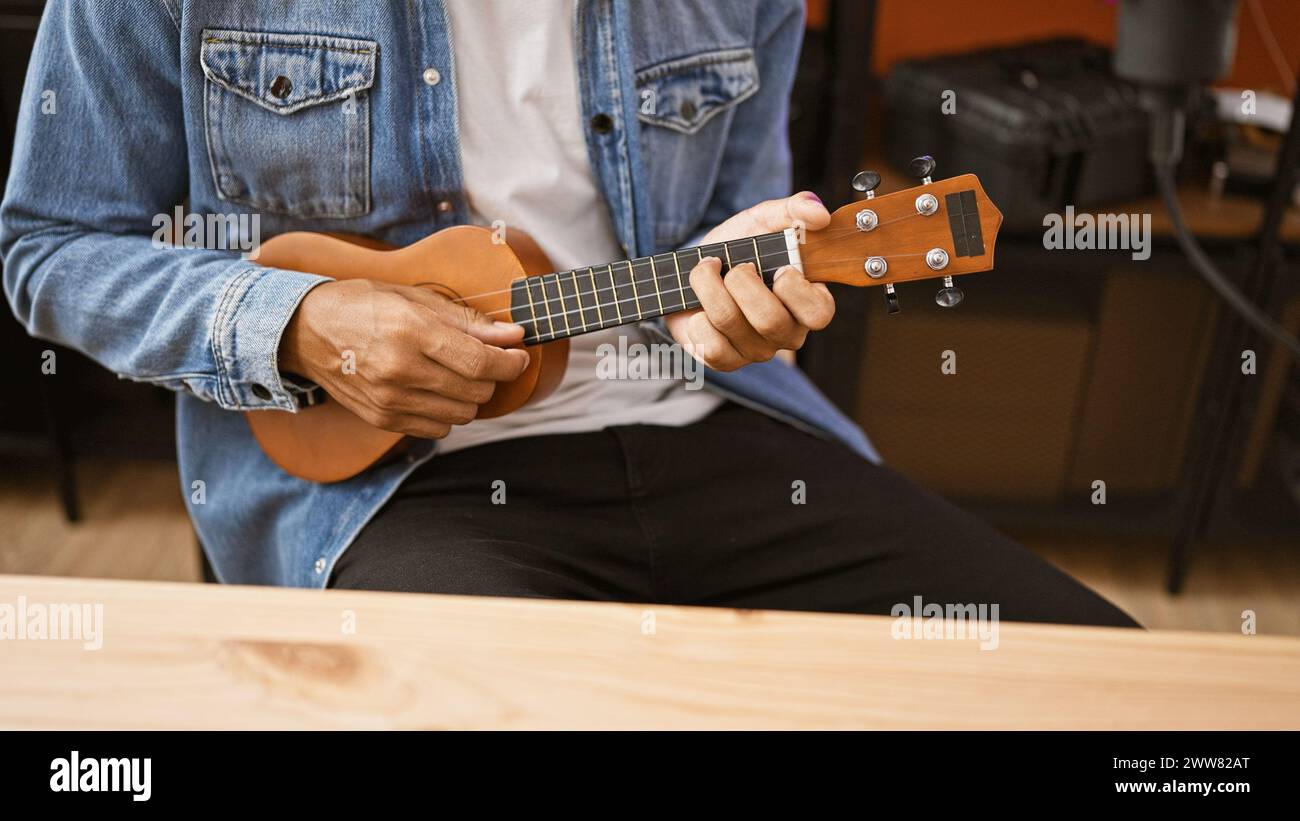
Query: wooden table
x=203, y=656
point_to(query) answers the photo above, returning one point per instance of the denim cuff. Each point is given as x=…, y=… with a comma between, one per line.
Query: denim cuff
x=254, y=309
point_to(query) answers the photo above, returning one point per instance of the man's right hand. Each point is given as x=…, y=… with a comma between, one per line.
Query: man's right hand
x=422, y=363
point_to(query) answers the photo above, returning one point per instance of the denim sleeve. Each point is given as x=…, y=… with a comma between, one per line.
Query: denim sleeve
x=100, y=150
x=756, y=162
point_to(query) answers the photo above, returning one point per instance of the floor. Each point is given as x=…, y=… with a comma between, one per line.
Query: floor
x=1226, y=581
x=133, y=523
x=134, y=527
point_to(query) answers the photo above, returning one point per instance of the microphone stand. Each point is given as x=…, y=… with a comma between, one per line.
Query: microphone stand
x=1223, y=395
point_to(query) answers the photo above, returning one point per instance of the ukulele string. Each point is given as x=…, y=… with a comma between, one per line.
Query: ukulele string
x=699, y=249
x=564, y=314
x=582, y=272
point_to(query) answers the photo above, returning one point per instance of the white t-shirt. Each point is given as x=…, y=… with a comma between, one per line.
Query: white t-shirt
x=524, y=161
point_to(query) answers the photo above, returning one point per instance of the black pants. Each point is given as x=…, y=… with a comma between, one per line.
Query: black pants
x=704, y=515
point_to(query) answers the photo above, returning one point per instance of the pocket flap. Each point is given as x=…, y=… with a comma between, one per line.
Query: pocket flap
x=287, y=72
x=685, y=93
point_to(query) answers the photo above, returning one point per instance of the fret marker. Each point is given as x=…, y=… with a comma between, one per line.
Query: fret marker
x=537, y=329
x=614, y=290
x=560, y=297
x=681, y=289
x=541, y=286
x=577, y=295
x=631, y=275
x=600, y=315
x=654, y=274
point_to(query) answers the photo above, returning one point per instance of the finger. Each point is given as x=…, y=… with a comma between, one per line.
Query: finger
x=676, y=324
x=708, y=345
x=468, y=319
x=427, y=405
x=407, y=424
x=442, y=380
x=763, y=309
x=420, y=427
x=724, y=314
x=471, y=358
x=808, y=209
x=776, y=215
x=501, y=334
x=810, y=303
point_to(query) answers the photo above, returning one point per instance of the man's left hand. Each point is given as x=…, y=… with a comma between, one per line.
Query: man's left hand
x=740, y=319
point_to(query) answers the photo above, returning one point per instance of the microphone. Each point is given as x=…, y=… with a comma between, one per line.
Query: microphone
x=1170, y=49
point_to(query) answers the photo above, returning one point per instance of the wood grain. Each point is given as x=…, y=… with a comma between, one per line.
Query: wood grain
x=187, y=656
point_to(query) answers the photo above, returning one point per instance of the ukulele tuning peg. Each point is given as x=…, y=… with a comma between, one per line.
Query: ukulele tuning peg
x=949, y=296
x=922, y=167
x=865, y=182
x=891, y=299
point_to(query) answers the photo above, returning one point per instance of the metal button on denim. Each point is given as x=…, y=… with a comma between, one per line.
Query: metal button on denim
x=445, y=207
x=602, y=124
x=687, y=109
x=232, y=186
x=432, y=76
x=281, y=86
x=261, y=392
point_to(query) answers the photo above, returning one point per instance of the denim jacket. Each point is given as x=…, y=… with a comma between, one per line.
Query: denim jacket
x=325, y=117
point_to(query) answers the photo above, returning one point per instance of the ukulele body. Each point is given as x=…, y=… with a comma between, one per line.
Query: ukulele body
x=943, y=228
x=328, y=443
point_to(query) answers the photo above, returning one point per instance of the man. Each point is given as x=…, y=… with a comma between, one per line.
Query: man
x=604, y=129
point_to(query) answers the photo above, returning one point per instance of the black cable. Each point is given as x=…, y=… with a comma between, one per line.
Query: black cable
x=1259, y=320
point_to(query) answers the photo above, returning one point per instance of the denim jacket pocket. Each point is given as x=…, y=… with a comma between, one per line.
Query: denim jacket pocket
x=688, y=102
x=288, y=121
x=685, y=93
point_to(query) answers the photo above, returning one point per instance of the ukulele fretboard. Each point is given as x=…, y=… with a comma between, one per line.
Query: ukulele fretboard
x=568, y=303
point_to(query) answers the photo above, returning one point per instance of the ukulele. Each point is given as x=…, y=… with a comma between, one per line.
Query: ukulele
x=938, y=229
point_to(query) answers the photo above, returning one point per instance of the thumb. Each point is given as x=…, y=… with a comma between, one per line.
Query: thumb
x=483, y=327
x=469, y=319
x=678, y=327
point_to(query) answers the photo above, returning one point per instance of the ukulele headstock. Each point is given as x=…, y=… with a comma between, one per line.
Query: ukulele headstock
x=938, y=229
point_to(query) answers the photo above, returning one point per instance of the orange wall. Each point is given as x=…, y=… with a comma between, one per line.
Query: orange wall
x=916, y=28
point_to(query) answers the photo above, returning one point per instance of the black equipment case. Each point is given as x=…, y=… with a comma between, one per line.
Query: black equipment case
x=1044, y=125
